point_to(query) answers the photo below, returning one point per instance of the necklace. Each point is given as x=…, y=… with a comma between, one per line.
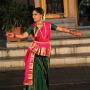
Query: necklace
x=39, y=29
x=39, y=24
x=44, y=36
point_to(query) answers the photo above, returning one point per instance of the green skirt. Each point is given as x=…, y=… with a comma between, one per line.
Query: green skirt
x=40, y=73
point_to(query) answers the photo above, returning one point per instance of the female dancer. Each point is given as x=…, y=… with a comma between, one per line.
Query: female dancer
x=38, y=53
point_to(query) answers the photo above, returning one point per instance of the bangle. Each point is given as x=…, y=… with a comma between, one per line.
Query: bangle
x=14, y=35
x=71, y=32
x=66, y=30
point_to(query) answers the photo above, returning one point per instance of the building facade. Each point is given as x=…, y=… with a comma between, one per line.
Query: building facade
x=76, y=9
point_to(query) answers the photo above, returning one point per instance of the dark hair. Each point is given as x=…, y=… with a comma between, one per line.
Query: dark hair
x=39, y=10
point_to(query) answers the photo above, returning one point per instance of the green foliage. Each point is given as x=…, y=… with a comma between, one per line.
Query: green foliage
x=15, y=14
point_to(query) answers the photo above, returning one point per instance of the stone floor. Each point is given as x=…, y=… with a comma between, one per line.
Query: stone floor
x=65, y=78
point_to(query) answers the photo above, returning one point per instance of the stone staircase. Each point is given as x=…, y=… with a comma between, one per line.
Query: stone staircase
x=67, y=22
x=67, y=50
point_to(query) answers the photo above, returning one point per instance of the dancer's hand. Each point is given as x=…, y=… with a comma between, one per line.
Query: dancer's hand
x=10, y=35
x=75, y=33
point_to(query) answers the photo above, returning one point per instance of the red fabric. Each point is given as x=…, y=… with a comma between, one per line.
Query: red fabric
x=39, y=37
x=40, y=46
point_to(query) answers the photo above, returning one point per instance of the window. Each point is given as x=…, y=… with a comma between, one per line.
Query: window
x=54, y=6
x=84, y=12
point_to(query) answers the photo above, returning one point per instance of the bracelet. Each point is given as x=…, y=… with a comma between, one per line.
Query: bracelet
x=71, y=32
x=14, y=35
x=66, y=30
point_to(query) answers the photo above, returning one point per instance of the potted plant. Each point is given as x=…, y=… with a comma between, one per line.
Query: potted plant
x=16, y=17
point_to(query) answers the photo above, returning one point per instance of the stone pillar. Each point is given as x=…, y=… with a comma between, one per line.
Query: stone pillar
x=37, y=3
x=72, y=8
x=66, y=8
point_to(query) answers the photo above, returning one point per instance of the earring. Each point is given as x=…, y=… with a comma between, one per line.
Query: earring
x=44, y=17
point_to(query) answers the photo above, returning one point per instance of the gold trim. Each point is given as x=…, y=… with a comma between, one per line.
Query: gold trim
x=53, y=15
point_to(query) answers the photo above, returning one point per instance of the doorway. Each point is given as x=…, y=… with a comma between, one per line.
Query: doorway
x=84, y=12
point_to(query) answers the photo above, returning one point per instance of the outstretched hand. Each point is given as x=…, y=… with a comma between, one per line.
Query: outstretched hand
x=10, y=35
x=75, y=33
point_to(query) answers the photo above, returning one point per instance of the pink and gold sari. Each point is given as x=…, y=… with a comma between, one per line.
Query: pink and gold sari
x=40, y=47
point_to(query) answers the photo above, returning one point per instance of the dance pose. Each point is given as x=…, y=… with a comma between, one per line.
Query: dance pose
x=38, y=53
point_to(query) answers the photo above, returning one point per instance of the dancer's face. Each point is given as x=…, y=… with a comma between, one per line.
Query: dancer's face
x=37, y=16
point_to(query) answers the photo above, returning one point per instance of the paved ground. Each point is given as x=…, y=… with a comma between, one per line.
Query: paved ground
x=71, y=78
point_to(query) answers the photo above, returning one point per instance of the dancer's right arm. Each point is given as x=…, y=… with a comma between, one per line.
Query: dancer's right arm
x=23, y=35
x=20, y=36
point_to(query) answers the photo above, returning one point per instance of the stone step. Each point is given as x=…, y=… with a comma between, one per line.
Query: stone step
x=55, y=41
x=61, y=35
x=71, y=49
x=57, y=34
x=62, y=20
x=59, y=38
x=70, y=61
x=57, y=49
x=67, y=22
x=80, y=60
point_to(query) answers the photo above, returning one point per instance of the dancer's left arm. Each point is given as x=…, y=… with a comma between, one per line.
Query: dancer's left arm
x=66, y=30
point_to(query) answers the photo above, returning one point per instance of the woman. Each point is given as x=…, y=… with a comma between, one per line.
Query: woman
x=38, y=53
